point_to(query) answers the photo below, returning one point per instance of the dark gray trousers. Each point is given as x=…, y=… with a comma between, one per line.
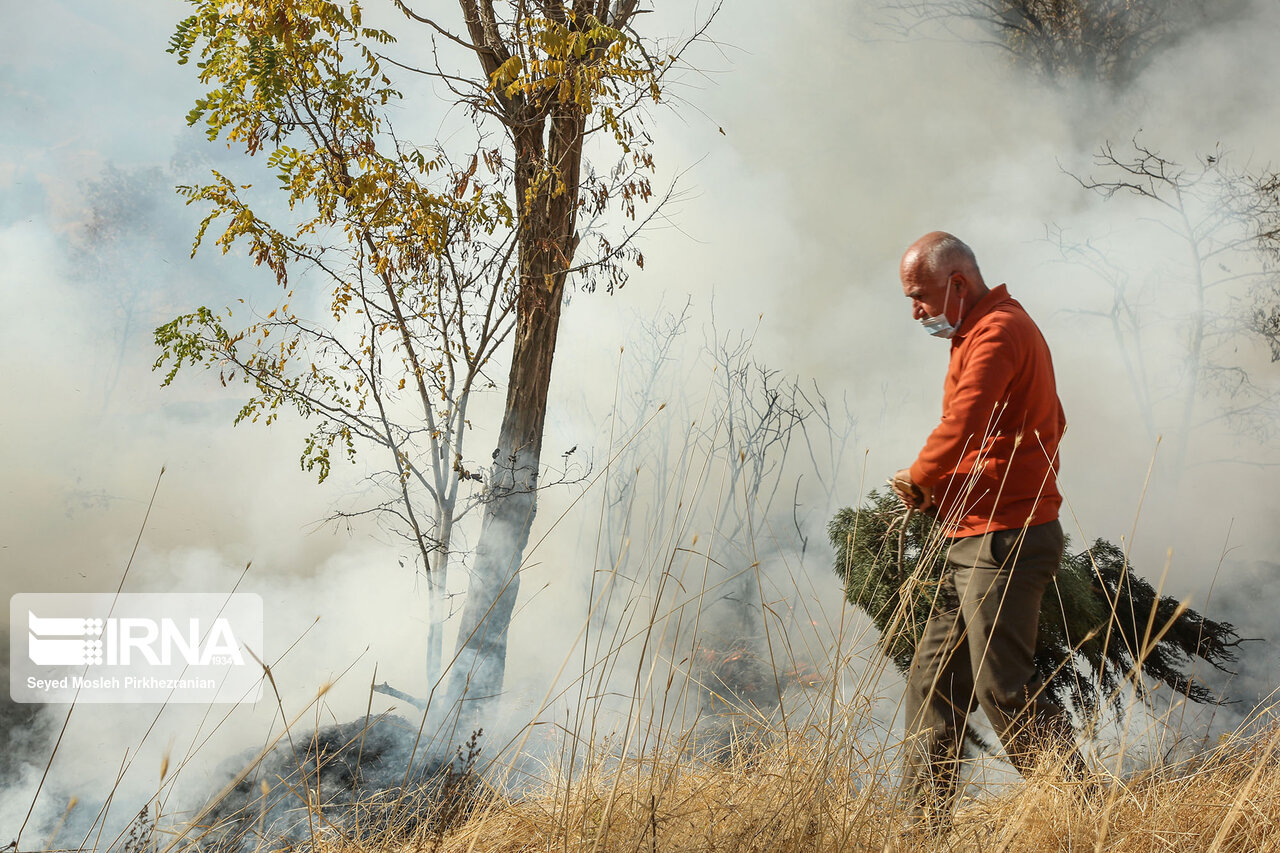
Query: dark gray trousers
x=978, y=650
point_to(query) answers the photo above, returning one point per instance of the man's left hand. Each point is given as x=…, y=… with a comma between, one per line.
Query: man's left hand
x=916, y=497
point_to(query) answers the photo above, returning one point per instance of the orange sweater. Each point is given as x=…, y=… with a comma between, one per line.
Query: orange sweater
x=992, y=461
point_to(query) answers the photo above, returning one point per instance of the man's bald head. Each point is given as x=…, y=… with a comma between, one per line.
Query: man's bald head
x=937, y=253
x=939, y=275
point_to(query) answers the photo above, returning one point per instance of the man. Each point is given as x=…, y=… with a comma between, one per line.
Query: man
x=989, y=469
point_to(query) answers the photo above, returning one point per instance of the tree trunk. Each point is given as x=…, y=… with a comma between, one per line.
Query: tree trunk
x=438, y=601
x=547, y=198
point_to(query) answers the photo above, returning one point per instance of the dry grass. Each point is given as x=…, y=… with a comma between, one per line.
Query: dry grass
x=815, y=773
x=807, y=796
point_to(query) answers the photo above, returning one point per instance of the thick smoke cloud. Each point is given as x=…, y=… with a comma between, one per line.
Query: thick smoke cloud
x=840, y=145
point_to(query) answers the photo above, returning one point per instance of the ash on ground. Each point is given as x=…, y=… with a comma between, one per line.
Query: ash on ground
x=349, y=781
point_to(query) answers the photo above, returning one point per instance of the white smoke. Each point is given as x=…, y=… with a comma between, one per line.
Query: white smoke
x=840, y=146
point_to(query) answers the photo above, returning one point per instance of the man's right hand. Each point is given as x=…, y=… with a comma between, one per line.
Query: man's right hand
x=908, y=492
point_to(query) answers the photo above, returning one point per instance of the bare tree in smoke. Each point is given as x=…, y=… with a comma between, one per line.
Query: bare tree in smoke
x=1220, y=293
x=761, y=413
x=1107, y=41
x=716, y=478
x=430, y=260
x=767, y=432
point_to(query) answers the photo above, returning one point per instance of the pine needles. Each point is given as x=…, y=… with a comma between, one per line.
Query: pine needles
x=1101, y=626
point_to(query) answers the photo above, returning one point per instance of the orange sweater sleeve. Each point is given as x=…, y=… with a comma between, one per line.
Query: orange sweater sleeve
x=974, y=391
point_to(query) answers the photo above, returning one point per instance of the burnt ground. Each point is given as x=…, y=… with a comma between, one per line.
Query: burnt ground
x=351, y=780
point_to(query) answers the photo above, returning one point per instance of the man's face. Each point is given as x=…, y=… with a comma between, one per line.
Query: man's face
x=931, y=296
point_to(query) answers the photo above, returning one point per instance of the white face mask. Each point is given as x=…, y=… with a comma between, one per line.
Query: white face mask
x=939, y=326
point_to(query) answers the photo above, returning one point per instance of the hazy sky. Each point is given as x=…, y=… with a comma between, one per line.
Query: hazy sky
x=812, y=148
